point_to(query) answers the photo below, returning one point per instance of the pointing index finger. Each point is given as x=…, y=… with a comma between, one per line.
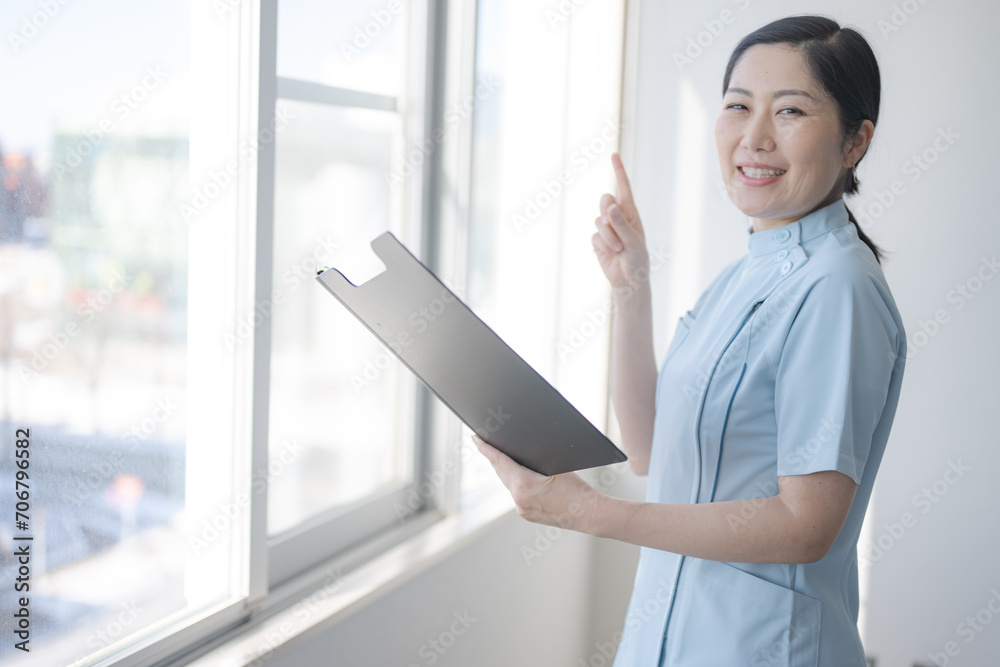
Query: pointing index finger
x=624, y=189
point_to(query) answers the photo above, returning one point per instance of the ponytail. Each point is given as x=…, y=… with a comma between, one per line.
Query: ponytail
x=861, y=235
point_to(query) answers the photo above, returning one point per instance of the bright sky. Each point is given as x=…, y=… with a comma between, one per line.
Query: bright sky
x=70, y=67
x=75, y=64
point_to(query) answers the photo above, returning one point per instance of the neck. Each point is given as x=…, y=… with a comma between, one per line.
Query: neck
x=763, y=224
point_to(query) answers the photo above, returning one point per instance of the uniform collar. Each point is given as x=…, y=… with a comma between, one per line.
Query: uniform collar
x=815, y=224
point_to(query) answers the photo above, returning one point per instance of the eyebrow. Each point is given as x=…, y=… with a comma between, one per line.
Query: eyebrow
x=776, y=94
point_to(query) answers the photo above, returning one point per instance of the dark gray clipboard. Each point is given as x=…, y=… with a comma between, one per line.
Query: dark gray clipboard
x=468, y=366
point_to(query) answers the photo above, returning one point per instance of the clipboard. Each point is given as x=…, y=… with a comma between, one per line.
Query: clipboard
x=469, y=367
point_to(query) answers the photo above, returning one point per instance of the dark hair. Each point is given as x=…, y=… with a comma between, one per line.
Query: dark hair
x=842, y=62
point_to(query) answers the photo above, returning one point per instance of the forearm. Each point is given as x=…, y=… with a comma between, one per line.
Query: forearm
x=633, y=372
x=762, y=530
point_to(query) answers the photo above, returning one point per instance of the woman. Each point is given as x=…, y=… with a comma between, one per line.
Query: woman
x=764, y=429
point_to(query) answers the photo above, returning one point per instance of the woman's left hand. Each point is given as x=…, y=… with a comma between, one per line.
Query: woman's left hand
x=566, y=500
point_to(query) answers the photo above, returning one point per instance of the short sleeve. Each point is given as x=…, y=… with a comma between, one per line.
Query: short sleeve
x=833, y=375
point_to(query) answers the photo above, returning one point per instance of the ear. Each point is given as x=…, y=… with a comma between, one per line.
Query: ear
x=858, y=144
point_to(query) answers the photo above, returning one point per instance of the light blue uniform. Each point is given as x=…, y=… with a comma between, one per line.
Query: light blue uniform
x=789, y=363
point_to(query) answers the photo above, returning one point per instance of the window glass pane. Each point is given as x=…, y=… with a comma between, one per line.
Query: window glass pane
x=515, y=221
x=357, y=45
x=508, y=230
x=340, y=416
x=94, y=345
x=544, y=127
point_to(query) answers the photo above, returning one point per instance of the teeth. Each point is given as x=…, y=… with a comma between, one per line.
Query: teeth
x=753, y=172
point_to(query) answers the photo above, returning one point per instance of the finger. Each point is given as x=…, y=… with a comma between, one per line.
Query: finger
x=603, y=253
x=624, y=188
x=600, y=247
x=507, y=468
x=494, y=456
x=606, y=201
x=487, y=450
x=626, y=230
x=607, y=233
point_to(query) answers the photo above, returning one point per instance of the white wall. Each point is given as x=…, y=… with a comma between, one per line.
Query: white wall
x=527, y=610
x=939, y=73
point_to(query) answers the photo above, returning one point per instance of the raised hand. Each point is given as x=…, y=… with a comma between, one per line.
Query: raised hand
x=620, y=243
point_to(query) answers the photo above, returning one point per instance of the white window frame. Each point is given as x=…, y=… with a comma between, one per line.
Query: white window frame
x=278, y=571
x=341, y=528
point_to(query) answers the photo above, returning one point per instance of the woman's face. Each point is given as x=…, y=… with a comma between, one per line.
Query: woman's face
x=775, y=116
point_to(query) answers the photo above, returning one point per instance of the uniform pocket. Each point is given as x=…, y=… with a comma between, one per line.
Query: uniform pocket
x=680, y=333
x=684, y=325
x=731, y=617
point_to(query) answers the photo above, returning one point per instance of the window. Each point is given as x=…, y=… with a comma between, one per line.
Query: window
x=109, y=360
x=342, y=79
x=546, y=124
x=206, y=423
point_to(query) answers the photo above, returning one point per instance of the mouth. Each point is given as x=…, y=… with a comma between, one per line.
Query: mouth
x=761, y=174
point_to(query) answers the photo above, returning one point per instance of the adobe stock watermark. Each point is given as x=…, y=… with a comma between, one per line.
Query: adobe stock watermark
x=201, y=537
x=595, y=318
x=291, y=280
x=86, y=312
x=638, y=616
x=91, y=480
x=923, y=502
x=750, y=506
x=434, y=481
x=420, y=320
x=435, y=647
x=33, y=23
x=604, y=652
x=116, y=627
x=828, y=431
x=551, y=189
x=959, y=296
x=970, y=628
x=308, y=606
x=122, y=107
x=899, y=16
x=560, y=13
x=381, y=19
x=798, y=457
x=222, y=7
x=453, y=117
x=701, y=41
x=220, y=179
x=545, y=537
x=649, y=609
x=782, y=302
x=301, y=612
x=914, y=168
x=778, y=652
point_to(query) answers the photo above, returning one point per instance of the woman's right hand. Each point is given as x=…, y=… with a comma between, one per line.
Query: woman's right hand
x=620, y=243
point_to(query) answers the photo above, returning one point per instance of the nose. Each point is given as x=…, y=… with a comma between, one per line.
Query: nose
x=758, y=134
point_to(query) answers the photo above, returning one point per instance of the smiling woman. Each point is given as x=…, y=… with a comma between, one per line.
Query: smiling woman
x=764, y=429
x=805, y=116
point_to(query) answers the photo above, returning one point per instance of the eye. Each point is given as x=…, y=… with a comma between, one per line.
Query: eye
x=793, y=111
x=733, y=106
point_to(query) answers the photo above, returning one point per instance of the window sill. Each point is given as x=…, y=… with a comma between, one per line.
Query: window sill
x=311, y=605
